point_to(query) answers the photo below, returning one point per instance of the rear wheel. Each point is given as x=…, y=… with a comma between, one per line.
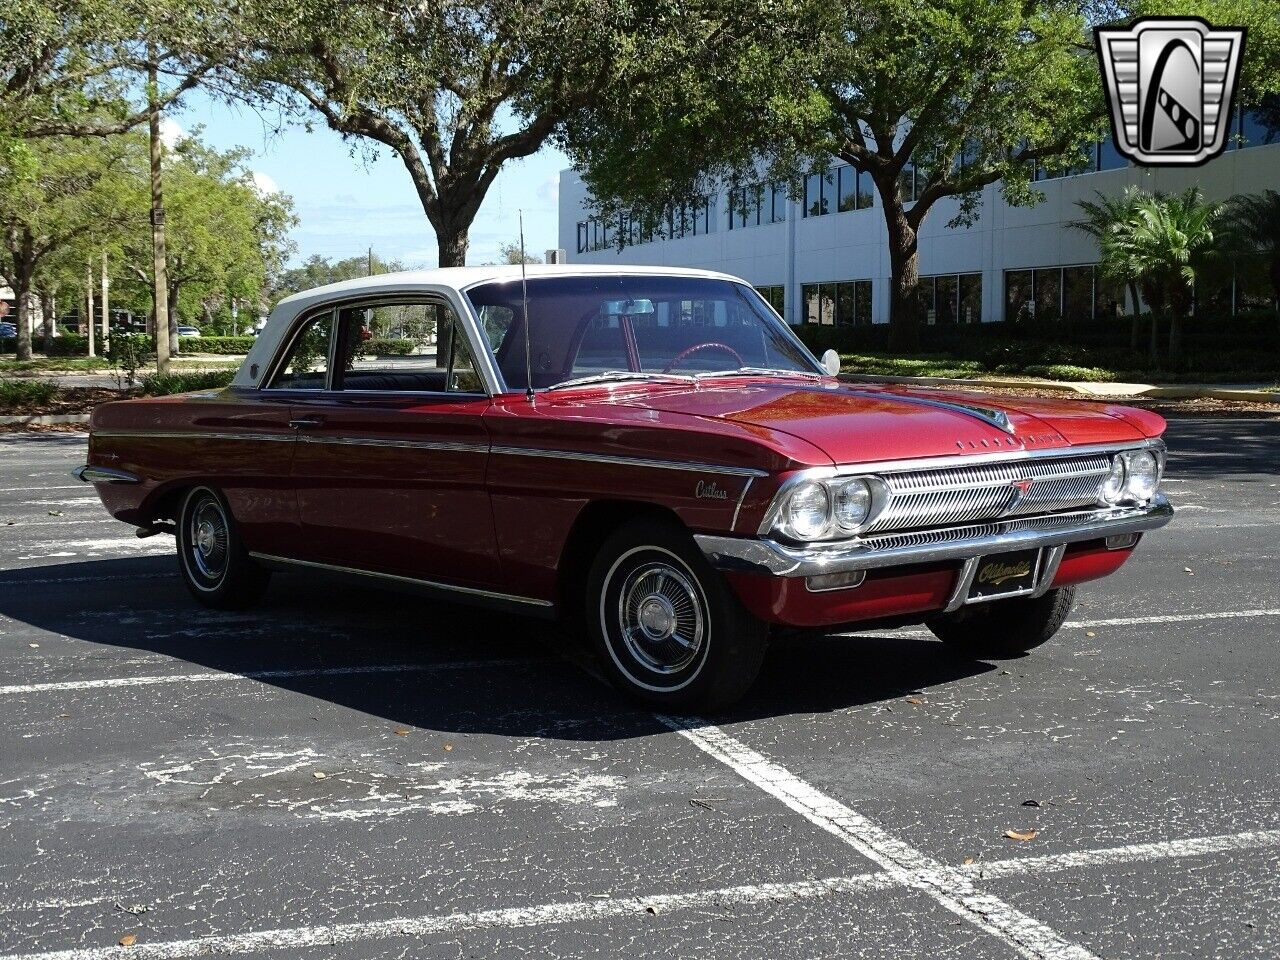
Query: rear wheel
x=1004, y=628
x=667, y=628
x=215, y=566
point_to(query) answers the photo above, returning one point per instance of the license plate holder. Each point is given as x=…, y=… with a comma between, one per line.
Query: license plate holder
x=1002, y=575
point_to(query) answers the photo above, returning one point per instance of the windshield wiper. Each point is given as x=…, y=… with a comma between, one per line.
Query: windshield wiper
x=758, y=371
x=619, y=375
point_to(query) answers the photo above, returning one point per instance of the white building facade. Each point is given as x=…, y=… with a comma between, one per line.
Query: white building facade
x=823, y=258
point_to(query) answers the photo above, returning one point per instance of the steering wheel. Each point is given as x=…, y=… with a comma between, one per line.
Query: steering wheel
x=710, y=345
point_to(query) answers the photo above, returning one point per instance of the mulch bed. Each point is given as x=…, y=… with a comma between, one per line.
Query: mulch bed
x=1165, y=407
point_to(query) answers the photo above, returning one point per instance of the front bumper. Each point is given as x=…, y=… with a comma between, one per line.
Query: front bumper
x=762, y=556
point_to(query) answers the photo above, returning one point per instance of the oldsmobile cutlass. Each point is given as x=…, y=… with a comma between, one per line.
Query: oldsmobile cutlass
x=650, y=453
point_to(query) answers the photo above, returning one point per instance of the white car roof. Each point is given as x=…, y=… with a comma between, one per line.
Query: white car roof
x=450, y=281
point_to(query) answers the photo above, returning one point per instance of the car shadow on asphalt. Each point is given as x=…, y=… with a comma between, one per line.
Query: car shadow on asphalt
x=416, y=662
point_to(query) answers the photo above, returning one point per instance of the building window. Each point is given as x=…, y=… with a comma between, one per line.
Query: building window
x=584, y=235
x=907, y=183
x=1055, y=293
x=1019, y=304
x=1077, y=293
x=819, y=192
x=951, y=298
x=776, y=297
x=843, y=304
x=779, y=198
x=970, y=298
x=847, y=189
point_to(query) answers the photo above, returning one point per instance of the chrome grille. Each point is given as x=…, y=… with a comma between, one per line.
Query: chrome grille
x=968, y=494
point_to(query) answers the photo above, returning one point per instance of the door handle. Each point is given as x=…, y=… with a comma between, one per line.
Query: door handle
x=306, y=424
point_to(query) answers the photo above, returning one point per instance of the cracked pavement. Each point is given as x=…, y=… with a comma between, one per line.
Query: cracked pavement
x=353, y=773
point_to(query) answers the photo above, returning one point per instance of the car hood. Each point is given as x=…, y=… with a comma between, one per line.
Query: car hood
x=857, y=424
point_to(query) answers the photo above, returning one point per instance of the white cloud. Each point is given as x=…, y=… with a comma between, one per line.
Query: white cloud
x=170, y=132
x=264, y=184
x=549, y=191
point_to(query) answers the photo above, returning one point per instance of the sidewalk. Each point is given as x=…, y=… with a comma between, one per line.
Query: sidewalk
x=1249, y=392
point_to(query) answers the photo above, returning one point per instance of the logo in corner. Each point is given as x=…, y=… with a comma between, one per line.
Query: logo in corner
x=1170, y=83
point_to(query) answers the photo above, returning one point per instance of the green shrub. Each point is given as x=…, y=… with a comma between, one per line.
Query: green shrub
x=218, y=345
x=156, y=385
x=386, y=347
x=17, y=394
x=70, y=345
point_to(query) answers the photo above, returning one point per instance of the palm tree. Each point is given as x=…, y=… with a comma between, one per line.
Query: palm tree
x=1166, y=244
x=1102, y=217
x=1251, y=230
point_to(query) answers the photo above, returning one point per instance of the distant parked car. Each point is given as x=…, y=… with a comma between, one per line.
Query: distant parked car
x=7, y=330
x=188, y=332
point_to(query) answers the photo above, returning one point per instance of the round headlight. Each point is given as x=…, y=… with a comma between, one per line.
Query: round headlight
x=1112, y=488
x=1144, y=475
x=851, y=502
x=808, y=510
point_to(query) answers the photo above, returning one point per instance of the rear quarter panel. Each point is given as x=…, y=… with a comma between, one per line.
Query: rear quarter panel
x=241, y=445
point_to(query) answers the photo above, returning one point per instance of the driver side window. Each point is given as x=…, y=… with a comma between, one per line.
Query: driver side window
x=404, y=347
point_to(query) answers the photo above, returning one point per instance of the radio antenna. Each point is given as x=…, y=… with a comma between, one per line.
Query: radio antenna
x=524, y=290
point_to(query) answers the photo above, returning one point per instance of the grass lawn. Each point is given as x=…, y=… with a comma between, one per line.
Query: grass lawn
x=103, y=365
x=946, y=365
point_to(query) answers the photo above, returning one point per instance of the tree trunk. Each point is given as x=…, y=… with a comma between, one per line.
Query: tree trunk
x=174, y=346
x=21, y=249
x=1275, y=286
x=1180, y=300
x=160, y=280
x=453, y=242
x=1175, y=332
x=48, y=309
x=22, y=291
x=904, y=269
x=1135, y=321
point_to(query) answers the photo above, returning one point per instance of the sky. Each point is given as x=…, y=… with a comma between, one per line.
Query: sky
x=347, y=202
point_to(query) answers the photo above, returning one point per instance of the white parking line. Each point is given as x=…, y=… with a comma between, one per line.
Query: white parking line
x=217, y=675
x=577, y=911
x=951, y=888
x=105, y=578
x=1172, y=618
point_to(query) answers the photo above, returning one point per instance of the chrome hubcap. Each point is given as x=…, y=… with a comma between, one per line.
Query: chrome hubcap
x=660, y=617
x=209, y=539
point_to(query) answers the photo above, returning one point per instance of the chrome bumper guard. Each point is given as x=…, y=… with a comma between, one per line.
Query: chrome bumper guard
x=927, y=546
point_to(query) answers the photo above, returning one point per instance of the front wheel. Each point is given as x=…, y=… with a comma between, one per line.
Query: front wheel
x=666, y=627
x=1004, y=628
x=215, y=565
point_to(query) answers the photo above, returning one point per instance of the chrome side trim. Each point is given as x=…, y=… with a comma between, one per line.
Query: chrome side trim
x=412, y=581
x=396, y=444
x=751, y=555
x=89, y=474
x=628, y=461
x=733, y=524
x=193, y=434
x=1052, y=561
x=963, y=582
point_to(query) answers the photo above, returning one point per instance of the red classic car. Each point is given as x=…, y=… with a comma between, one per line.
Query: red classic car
x=650, y=452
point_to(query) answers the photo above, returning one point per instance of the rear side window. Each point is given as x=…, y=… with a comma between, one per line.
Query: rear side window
x=306, y=365
x=404, y=347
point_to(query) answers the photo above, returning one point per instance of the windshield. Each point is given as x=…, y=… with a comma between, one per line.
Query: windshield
x=633, y=327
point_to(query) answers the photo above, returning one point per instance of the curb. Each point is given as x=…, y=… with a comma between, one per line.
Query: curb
x=44, y=420
x=1097, y=391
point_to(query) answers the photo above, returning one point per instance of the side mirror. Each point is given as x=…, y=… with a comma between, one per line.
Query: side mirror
x=831, y=362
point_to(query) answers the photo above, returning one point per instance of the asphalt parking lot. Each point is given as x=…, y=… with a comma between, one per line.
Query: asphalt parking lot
x=357, y=774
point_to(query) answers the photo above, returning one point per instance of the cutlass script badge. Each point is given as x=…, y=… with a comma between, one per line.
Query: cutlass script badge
x=710, y=491
x=997, y=573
